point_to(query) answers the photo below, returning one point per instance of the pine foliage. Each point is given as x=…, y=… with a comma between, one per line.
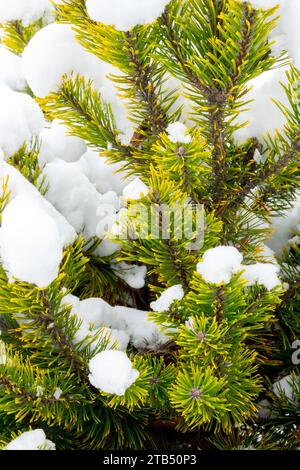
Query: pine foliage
x=226, y=343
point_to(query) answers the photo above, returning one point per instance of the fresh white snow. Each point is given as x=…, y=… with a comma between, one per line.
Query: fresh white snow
x=126, y=324
x=53, y=52
x=20, y=120
x=125, y=14
x=220, y=263
x=56, y=143
x=31, y=247
x=112, y=372
x=167, y=298
x=31, y=440
x=11, y=70
x=135, y=189
x=26, y=10
x=177, y=133
x=19, y=185
x=262, y=114
x=133, y=275
x=73, y=195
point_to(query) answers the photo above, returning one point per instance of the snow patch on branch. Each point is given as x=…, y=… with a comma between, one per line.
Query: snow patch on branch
x=31, y=440
x=220, y=263
x=124, y=324
x=177, y=133
x=125, y=14
x=54, y=52
x=112, y=372
x=27, y=11
x=11, y=70
x=31, y=248
x=20, y=120
x=166, y=299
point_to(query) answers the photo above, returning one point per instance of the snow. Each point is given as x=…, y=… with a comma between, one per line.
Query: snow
x=53, y=51
x=125, y=14
x=135, y=189
x=11, y=70
x=220, y=263
x=133, y=275
x=112, y=372
x=31, y=440
x=258, y=157
x=177, y=133
x=124, y=323
x=143, y=333
x=73, y=195
x=262, y=273
x=18, y=185
x=105, y=176
x=20, y=120
x=262, y=113
x=58, y=393
x=287, y=32
x=166, y=299
x=88, y=310
x=57, y=144
x=266, y=3
x=285, y=386
x=283, y=227
x=89, y=330
x=26, y=10
x=39, y=391
x=31, y=247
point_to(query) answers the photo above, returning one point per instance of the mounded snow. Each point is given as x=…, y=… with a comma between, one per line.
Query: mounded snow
x=220, y=263
x=262, y=114
x=26, y=10
x=53, y=52
x=31, y=247
x=167, y=298
x=31, y=440
x=19, y=185
x=105, y=176
x=132, y=274
x=135, y=189
x=56, y=143
x=125, y=14
x=177, y=133
x=126, y=324
x=20, y=120
x=112, y=372
x=11, y=70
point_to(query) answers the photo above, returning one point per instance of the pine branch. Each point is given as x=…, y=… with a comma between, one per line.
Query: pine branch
x=67, y=349
x=156, y=119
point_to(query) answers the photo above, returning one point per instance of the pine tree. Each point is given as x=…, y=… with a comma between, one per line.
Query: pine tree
x=227, y=342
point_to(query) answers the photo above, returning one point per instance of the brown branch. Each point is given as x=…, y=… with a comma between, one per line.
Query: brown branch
x=17, y=391
x=246, y=33
x=219, y=303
